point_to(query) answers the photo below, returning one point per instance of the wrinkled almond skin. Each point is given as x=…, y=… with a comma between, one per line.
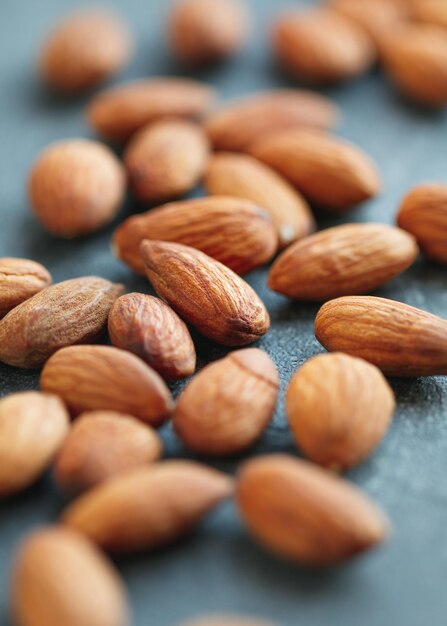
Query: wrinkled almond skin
x=399, y=339
x=74, y=311
x=226, y=620
x=328, y=171
x=305, y=513
x=423, y=213
x=148, y=508
x=339, y=409
x=19, y=280
x=208, y=295
x=60, y=578
x=234, y=231
x=227, y=406
x=345, y=260
x=150, y=329
x=103, y=444
x=33, y=426
x=430, y=12
x=90, y=378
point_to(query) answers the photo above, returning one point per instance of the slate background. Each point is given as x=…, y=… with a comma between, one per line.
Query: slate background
x=219, y=568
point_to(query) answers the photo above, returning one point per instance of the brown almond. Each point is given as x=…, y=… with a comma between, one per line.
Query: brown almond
x=148, y=508
x=233, y=231
x=305, y=513
x=344, y=260
x=207, y=294
x=226, y=620
x=430, y=12
x=19, y=280
x=150, y=329
x=90, y=378
x=399, y=339
x=71, y=312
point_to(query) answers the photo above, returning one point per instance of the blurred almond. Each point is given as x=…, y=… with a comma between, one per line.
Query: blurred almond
x=19, y=280
x=430, y=12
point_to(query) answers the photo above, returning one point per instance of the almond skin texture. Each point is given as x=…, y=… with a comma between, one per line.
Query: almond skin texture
x=103, y=444
x=242, y=176
x=76, y=187
x=103, y=378
x=208, y=295
x=430, y=12
x=166, y=159
x=19, y=280
x=71, y=312
x=119, y=112
x=328, y=171
x=399, y=339
x=148, y=508
x=234, y=231
x=306, y=514
x=33, y=426
x=227, y=406
x=150, y=329
x=339, y=409
x=344, y=260
x=60, y=578
x=423, y=213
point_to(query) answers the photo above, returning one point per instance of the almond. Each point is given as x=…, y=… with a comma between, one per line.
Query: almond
x=344, y=260
x=226, y=620
x=227, y=406
x=399, y=339
x=102, y=444
x=430, y=12
x=242, y=176
x=423, y=213
x=60, y=578
x=208, y=295
x=306, y=514
x=233, y=231
x=90, y=378
x=32, y=428
x=328, y=171
x=19, y=280
x=71, y=312
x=148, y=508
x=150, y=329
x=339, y=409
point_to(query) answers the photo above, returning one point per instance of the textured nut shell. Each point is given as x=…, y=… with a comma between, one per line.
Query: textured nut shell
x=430, y=12
x=19, y=280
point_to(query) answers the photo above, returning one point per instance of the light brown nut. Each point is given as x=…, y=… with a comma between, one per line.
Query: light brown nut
x=305, y=513
x=208, y=295
x=234, y=231
x=344, y=260
x=76, y=187
x=104, y=378
x=430, y=12
x=423, y=213
x=71, y=312
x=339, y=409
x=150, y=329
x=226, y=620
x=101, y=445
x=84, y=50
x=60, y=578
x=148, y=508
x=242, y=176
x=120, y=111
x=399, y=339
x=328, y=171
x=227, y=406
x=33, y=426
x=19, y=280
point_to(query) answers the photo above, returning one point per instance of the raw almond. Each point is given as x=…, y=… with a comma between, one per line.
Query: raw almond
x=90, y=378
x=19, y=280
x=339, y=409
x=233, y=231
x=344, y=260
x=148, y=508
x=306, y=514
x=207, y=294
x=430, y=12
x=150, y=329
x=399, y=339
x=227, y=406
x=67, y=313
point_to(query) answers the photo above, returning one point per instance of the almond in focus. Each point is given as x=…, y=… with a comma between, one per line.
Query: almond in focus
x=19, y=280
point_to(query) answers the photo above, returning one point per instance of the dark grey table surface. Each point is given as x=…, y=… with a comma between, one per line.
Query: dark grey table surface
x=219, y=568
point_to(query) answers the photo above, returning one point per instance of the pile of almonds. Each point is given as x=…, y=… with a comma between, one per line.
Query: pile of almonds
x=266, y=161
